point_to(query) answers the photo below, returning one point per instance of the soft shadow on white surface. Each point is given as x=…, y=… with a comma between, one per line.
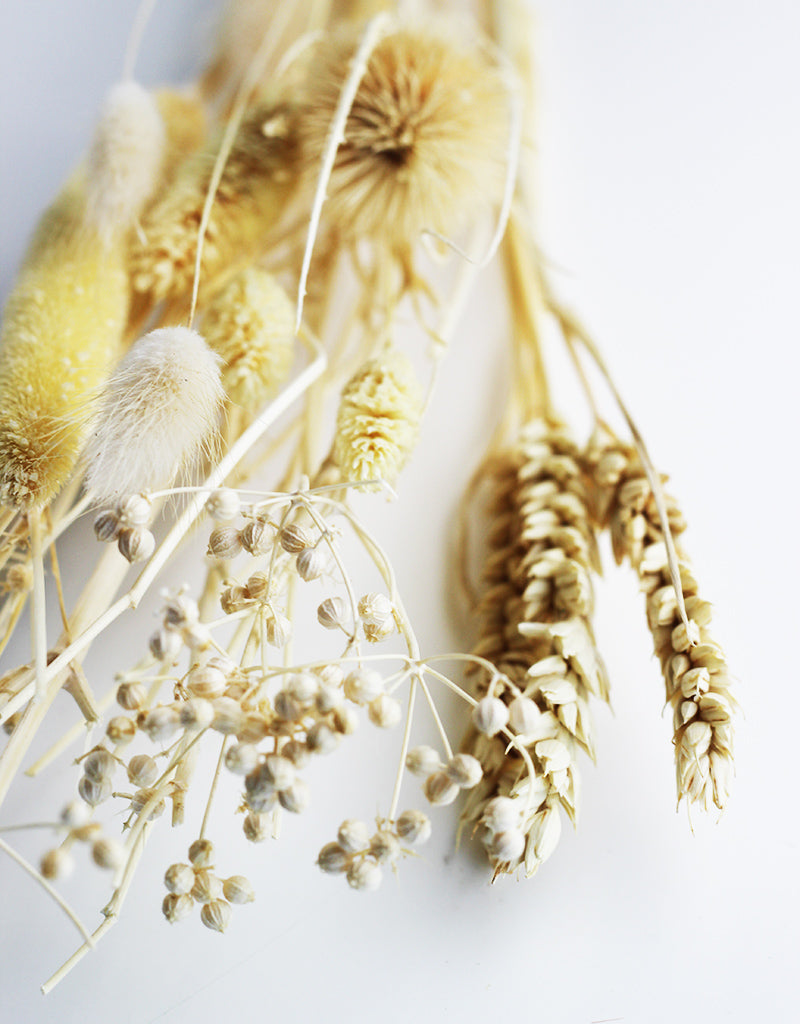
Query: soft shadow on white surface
x=669, y=169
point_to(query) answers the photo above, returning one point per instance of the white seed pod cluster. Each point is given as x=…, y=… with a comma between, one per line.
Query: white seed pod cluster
x=695, y=672
x=535, y=630
x=361, y=854
x=378, y=420
x=196, y=882
x=126, y=524
x=158, y=415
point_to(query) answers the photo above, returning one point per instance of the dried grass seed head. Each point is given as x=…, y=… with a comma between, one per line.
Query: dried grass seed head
x=424, y=142
x=378, y=420
x=159, y=414
x=125, y=158
x=250, y=325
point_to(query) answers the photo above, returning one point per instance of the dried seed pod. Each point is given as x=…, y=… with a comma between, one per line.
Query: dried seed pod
x=465, y=770
x=179, y=878
x=176, y=907
x=279, y=630
x=333, y=859
x=135, y=510
x=161, y=723
x=440, y=789
x=256, y=827
x=507, y=847
x=142, y=797
x=345, y=720
x=378, y=420
x=99, y=764
x=120, y=729
x=166, y=645
x=321, y=739
x=224, y=542
x=413, y=827
x=201, y=853
x=56, y=863
x=238, y=890
x=364, y=875
x=196, y=714
x=223, y=505
x=256, y=538
x=206, y=681
x=216, y=915
x=385, y=711
x=384, y=847
x=94, y=792
x=332, y=613
x=207, y=886
x=74, y=814
x=142, y=770
x=108, y=853
x=311, y=563
x=299, y=753
x=257, y=586
x=490, y=715
x=353, y=836
x=362, y=686
x=131, y=696
x=294, y=539
x=295, y=798
x=107, y=526
x=423, y=761
x=241, y=758
x=250, y=324
x=136, y=544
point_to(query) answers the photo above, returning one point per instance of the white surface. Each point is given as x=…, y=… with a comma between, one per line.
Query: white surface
x=669, y=197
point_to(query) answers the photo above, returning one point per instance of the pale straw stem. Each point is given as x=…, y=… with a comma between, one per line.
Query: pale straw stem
x=39, y=608
x=146, y=8
x=213, y=790
x=398, y=782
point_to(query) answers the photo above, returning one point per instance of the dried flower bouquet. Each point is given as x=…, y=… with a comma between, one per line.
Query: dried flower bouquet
x=238, y=264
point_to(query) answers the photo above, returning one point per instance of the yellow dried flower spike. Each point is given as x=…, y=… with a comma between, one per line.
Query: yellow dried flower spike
x=378, y=419
x=185, y=126
x=255, y=186
x=251, y=326
x=60, y=336
x=425, y=140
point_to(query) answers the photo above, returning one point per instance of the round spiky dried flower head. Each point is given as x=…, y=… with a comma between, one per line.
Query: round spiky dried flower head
x=160, y=410
x=425, y=138
x=378, y=420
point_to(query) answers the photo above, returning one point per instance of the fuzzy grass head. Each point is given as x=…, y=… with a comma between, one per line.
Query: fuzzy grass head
x=424, y=142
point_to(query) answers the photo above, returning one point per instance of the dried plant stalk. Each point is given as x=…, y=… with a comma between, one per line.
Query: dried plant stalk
x=535, y=631
x=693, y=664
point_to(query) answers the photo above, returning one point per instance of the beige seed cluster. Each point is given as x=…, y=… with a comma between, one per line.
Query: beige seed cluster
x=378, y=420
x=694, y=668
x=535, y=630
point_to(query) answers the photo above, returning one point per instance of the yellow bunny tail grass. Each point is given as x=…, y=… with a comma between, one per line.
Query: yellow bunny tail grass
x=378, y=421
x=425, y=139
x=250, y=325
x=159, y=413
x=256, y=183
x=186, y=127
x=61, y=335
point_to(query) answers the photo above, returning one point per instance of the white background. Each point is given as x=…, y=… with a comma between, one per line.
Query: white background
x=669, y=182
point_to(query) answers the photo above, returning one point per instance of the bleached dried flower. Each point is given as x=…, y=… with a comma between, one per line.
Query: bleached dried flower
x=176, y=907
x=413, y=827
x=424, y=140
x=378, y=419
x=375, y=609
x=135, y=510
x=238, y=890
x=158, y=415
x=216, y=915
x=507, y=847
x=501, y=814
x=524, y=715
x=250, y=325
